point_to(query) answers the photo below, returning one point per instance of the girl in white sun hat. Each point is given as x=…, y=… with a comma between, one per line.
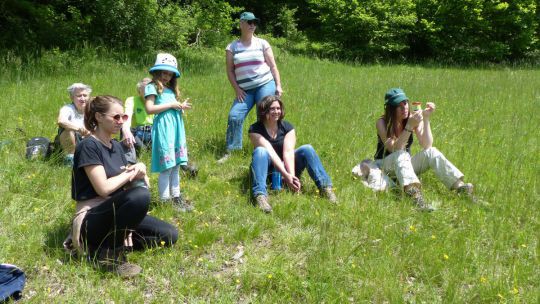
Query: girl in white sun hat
x=169, y=150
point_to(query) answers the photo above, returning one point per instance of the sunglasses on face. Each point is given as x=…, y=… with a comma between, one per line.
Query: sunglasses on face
x=117, y=117
x=251, y=22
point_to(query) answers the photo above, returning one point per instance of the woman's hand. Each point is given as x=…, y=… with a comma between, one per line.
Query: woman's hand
x=83, y=132
x=414, y=119
x=279, y=91
x=293, y=182
x=430, y=108
x=137, y=170
x=129, y=139
x=240, y=94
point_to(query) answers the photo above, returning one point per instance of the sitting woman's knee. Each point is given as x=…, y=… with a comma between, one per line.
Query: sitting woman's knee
x=307, y=148
x=402, y=156
x=260, y=152
x=139, y=198
x=432, y=152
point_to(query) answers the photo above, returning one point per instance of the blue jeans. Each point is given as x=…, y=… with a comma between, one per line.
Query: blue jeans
x=143, y=133
x=305, y=156
x=240, y=110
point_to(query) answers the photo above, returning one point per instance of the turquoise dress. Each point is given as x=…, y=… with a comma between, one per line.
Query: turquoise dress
x=169, y=147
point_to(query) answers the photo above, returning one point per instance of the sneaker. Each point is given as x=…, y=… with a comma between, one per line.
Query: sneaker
x=114, y=260
x=262, y=203
x=329, y=194
x=190, y=169
x=224, y=158
x=416, y=194
x=181, y=204
x=467, y=190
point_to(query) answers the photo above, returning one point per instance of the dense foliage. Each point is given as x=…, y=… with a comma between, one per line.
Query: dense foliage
x=457, y=30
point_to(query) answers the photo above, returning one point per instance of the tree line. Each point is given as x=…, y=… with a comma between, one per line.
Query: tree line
x=449, y=30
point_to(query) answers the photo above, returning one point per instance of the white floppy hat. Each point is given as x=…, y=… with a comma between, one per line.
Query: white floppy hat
x=165, y=62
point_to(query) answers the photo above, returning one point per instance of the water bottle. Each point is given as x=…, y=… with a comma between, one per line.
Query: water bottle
x=276, y=179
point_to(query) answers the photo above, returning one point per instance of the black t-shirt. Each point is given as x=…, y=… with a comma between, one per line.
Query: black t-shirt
x=283, y=128
x=91, y=151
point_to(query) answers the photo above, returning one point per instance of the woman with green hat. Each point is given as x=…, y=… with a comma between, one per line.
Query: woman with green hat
x=253, y=74
x=395, y=131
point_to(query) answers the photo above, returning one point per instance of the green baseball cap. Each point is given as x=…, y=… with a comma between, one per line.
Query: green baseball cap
x=246, y=16
x=394, y=97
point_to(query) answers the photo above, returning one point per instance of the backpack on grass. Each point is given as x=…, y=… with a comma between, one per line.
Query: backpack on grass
x=38, y=148
x=12, y=281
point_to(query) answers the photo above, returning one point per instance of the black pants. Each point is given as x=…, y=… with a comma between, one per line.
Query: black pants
x=107, y=225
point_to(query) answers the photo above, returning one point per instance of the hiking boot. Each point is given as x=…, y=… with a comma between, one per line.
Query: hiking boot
x=262, y=203
x=181, y=204
x=416, y=194
x=114, y=260
x=190, y=170
x=328, y=193
x=467, y=190
x=224, y=158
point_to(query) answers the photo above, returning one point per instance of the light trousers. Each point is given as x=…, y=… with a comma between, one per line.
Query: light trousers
x=406, y=169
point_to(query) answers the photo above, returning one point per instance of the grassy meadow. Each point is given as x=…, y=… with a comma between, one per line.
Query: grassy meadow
x=370, y=248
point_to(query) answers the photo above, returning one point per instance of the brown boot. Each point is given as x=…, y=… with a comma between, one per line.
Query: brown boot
x=329, y=194
x=467, y=190
x=262, y=203
x=114, y=260
x=416, y=194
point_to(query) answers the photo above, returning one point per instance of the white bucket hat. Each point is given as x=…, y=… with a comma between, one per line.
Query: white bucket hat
x=165, y=62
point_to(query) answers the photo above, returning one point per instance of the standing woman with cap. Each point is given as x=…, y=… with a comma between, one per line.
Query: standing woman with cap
x=395, y=131
x=169, y=149
x=253, y=74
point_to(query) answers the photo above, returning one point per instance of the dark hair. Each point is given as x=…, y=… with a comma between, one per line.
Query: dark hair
x=392, y=121
x=263, y=107
x=98, y=104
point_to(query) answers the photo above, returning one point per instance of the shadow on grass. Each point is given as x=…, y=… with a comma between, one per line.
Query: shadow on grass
x=54, y=243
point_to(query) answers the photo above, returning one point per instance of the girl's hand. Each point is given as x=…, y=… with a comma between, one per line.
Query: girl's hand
x=430, y=108
x=176, y=106
x=293, y=182
x=240, y=94
x=186, y=105
x=414, y=119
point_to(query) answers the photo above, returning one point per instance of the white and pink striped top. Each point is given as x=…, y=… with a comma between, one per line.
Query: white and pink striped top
x=250, y=67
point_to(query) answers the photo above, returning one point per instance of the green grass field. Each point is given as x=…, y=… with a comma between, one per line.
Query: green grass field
x=371, y=247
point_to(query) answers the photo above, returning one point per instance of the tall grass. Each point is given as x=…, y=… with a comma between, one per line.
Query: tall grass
x=372, y=247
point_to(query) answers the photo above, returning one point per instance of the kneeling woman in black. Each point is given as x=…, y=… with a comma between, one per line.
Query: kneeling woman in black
x=112, y=196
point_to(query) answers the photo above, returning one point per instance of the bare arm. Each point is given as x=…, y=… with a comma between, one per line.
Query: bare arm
x=259, y=141
x=229, y=61
x=269, y=59
x=105, y=186
x=289, y=144
x=126, y=126
x=393, y=144
x=423, y=132
x=68, y=125
x=152, y=108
